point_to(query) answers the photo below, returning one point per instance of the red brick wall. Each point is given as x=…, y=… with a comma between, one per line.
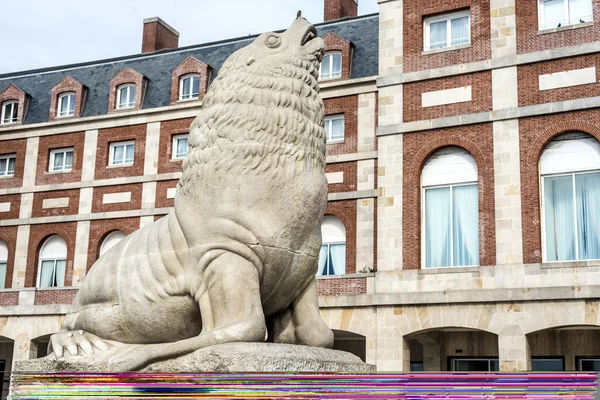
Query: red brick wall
x=134, y=204
x=350, y=176
x=336, y=9
x=161, y=193
x=348, y=106
x=165, y=148
x=190, y=65
x=37, y=236
x=68, y=84
x=481, y=94
x=127, y=75
x=345, y=210
x=100, y=228
x=9, y=298
x=15, y=205
x=336, y=43
x=107, y=136
x=534, y=134
x=158, y=37
x=414, y=14
x=55, y=296
x=417, y=147
x=342, y=286
x=528, y=39
x=47, y=143
x=9, y=235
x=38, y=201
x=528, y=77
x=19, y=148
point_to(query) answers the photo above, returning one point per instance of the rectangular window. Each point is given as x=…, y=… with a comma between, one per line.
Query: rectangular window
x=451, y=226
x=66, y=105
x=332, y=259
x=572, y=216
x=10, y=110
x=334, y=128
x=52, y=273
x=587, y=363
x=557, y=13
x=447, y=30
x=7, y=164
x=475, y=364
x=189, y=87
x=126, y=96
x=121, y=153
x=61, y=160
x=547, y=364
x=180, y=146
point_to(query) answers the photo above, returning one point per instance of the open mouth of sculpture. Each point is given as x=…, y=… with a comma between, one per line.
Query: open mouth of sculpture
x=309, y=35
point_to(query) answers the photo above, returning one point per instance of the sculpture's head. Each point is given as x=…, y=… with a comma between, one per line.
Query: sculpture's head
x=263, y=106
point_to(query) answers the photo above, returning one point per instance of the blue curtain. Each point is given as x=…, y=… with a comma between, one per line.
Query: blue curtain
x=587, y=187
x=323, y=255
x=437, y=227
x=559, y=219
x=337, y=259
x=465, y=225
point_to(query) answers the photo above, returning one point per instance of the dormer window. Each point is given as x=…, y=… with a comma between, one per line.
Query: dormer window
x=331, y=66
x=126, y=96
x=189, y=87
x=10, y=110
x=66, y=105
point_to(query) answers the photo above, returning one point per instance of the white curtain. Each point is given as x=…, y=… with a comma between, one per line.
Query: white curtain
x=465, y=229
x=459, y=31
x=337, y=258
x=437, y=35
x=325, y=71
x=579, y=10
x=118, y=154
x=69, y=160
x=337, y=129
x=323, y=254
x=554, y=13
x=58, y=161
x=182, y=145
x=2, y=274
x=60, y=273
x=337, y=65
x=560, y=225
x=587, y=188
x=47, y=273
x=437, y=227
x=129, y=153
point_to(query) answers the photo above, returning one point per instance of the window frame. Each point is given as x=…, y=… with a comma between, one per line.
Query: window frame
x=8, y=157
x=329, y=120
x=423, y=222
x=14, y=105
x=448, y=17
x=182, y=79
x=5, y=262
x=453, y=359
x=54, y=152
x=128, y=86
x=40, y=260
x=543, y=213
x=111, y=148
x=580, y=359
x=174, y=145
x=565, y=22
x=61, y=98
x=549, y=358
x=331, y=72
x=329, y=244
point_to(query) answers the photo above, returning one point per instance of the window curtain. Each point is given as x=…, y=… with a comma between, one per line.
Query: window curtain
x=553, y=13
x=182, y=145
x=326, y=66
x=69, y=160
x=195, y=85
x=11, y=165
x=579, y=10
x=131, y=99
x=337, y=259
x=587, y=187
x=64, y=109
x=437, y=227
x=459, y=31
x=2, y=274
x=560, y=225
x=437, y=35
x=118, y=154
x=47, y=273
x=465, y=229
x=58, y=161
x=337, y=129
x=323, y=254
x=337, y=65
x=129, y=153
x=60, y=273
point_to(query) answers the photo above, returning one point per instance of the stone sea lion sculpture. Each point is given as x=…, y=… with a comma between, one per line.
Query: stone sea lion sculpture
x=235, y=261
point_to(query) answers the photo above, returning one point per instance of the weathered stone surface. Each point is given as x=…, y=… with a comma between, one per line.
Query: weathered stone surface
x=228, y=357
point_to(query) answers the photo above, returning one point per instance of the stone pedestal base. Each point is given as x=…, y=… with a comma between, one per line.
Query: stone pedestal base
x=229, y=357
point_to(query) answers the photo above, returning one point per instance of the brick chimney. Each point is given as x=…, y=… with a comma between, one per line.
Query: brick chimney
x=158, y=35
x=337, y=9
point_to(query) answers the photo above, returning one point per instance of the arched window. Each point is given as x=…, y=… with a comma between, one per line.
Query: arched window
x=189, y=87
x=331, y=65
x=53, y=261
x=126, y=96
x=570, y=175
x=110, y=240
x=332, y=258
x=3, y=262
x=451, y=208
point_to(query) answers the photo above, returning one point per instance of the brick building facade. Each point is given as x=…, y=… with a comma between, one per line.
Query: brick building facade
x=413, y=94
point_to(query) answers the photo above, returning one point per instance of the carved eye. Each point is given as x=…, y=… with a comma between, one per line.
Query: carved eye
x=273, y=41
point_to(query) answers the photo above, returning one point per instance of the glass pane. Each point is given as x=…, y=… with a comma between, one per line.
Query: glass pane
x=71, y=104
x=337, y=259
x=69, y=160
x=60, y=273
x=182, y=147
x=437, y=227
x=465, y=229
x=3, y=166
x=186, y=88
x=15, y=110
x=472, y=365
x=416, y=366
x=131, y=99
x=323, y=253
x=547, y=364
x=558, y=213
x=47, y=273
x=123, y=97
x=129, y=153
x=587, y=188
x=459, y=31
x=11, y=165
x=2, y=274
x=437, y=35
x=337, y=129
x=590, y=365
x=63, y=105
x=337, y=65
x=118, y=153
x=554, y=13
x=580, y=11
x=326, y=67
x=58, y=161
x=195, y=86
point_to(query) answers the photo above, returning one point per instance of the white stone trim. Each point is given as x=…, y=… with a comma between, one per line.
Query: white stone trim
x=335, y=177
x=5, y=207
x=59, y=202
x=112, y=198
x=564, y=79
x=446, y=96
x=171, y=192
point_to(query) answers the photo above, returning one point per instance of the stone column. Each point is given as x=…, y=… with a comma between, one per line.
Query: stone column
x=21, y=249
x=88, y=167
x=30, y=168
x=366, y=122
x=391, y=37
x=150, y=168
x=507, y=179
x=81, y=252
x=513, y=349
x=393, y=352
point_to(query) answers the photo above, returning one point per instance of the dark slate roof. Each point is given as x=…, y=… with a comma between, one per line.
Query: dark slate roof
x=362, y=31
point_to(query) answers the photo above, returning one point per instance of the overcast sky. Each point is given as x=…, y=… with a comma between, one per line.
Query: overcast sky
x=45, y=33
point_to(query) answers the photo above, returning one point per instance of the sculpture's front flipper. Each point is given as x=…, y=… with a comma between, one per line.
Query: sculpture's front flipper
x=230, y=307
